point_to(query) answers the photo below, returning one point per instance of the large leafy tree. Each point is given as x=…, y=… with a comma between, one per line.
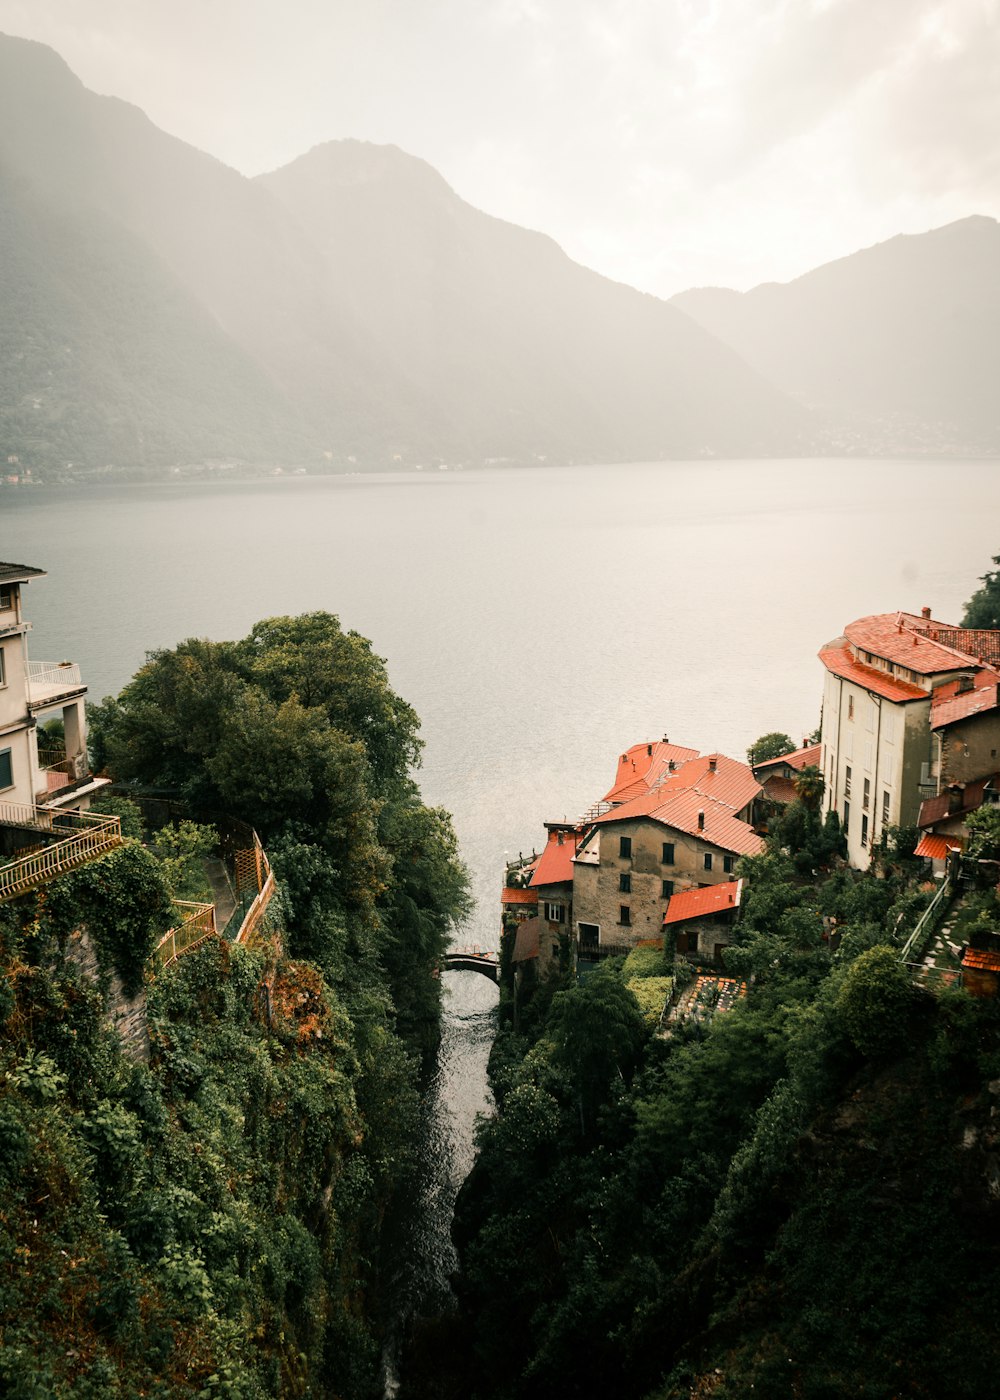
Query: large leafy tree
x=983, y=608
x=769, y=746
x=296, y=730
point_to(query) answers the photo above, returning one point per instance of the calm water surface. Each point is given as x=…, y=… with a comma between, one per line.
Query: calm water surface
x=538, y=621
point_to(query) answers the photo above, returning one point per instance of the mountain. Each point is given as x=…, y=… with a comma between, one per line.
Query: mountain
x=519, y=350
x=168, y=309
x=902, y=334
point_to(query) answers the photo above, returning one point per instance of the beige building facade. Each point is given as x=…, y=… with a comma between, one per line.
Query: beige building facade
x=878, y=757
x=36, y=771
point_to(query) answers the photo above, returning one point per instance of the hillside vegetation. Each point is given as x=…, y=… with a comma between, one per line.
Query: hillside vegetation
x=216, y=1223
x=797, y=1199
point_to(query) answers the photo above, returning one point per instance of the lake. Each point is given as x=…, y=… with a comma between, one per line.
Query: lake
x=539, y=621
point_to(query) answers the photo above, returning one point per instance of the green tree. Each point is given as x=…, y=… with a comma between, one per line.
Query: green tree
x=983, y=608
x=876, y=1001
x=809, y=787
x=598, y=1030
x=769, y=746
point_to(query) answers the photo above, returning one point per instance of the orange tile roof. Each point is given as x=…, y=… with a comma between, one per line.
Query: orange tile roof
x=903, y=638
x=514, y=895
x=780, y=789
x=949, y=705
x=680, y=811
x=981, y=959
x=970, y=797
x=798, y=759
x=840, y=660
x=980, y=642
x=641, y=766
x=555, y=864
x=698, y=904
x=936, y=847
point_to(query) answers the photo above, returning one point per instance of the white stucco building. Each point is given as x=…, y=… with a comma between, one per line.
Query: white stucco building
x=877, y=752
x=36, y=772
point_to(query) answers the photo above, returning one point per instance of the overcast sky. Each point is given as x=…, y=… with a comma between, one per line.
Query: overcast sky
x=666, y=143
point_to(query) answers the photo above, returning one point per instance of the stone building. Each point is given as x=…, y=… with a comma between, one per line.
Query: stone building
x=685, y=829
x=699, y=923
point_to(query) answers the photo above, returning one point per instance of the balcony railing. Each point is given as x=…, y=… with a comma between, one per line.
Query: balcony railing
x=48, y=680
x=197, y=924
x=81, y=836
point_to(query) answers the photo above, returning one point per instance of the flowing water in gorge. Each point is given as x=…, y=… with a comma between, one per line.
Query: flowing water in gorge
x=539, y=621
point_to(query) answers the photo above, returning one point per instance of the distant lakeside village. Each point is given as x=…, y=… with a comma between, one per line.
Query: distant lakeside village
x=909, y=739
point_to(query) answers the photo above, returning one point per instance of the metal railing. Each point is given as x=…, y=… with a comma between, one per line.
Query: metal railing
x=197, y=925
x=925, y=921
x=84, y=836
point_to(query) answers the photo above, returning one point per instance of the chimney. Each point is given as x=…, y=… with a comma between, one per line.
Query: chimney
x=672, y=765
x=649, y=750
x=965, y=683
x=925, y=612
x=701, y=821
x=713, y=763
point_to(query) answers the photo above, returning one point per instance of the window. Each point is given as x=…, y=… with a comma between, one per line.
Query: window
x=3, y=670
x=867, y=795
x=668, y=888
x=868, y=754
x=668, y=853
x=864, y=829
x=554, y=913
x=885, y=808
x=708, y=860
x=847, y=817
x=727, y=864
x=625, y=847
x=625, y=883
x=6, y=598
x=590, y=935
x=850, y=707
x=847, y=780
x=870, y=716
x=624, y=914
x=6, y=769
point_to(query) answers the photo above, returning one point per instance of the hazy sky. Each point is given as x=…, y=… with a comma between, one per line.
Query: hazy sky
x=667, y=143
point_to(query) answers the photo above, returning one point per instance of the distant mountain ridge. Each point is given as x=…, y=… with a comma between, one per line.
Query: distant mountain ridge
x=350, y=306
x=904, y=333
x=348, y=310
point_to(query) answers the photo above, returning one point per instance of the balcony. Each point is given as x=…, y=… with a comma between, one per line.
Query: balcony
x=52, y=682
x=48, y=844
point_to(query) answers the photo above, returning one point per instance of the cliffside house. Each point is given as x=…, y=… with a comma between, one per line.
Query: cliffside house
x=699, y=923
x=45, y=784
x=777, y=775
x=667, y=825
x=892, y=732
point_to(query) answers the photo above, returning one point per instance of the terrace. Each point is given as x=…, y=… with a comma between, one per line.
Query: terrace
x=42, y=844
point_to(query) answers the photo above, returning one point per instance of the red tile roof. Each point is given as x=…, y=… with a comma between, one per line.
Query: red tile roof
x=698, y=904
x=936, y=809
x=949, y=705
x=680, y=811
x=798, y=759
x=903, y=638
x=514, y=895
x=840, y=660
x=936, y=847
x=780, y=790
x=642, y=766
x=981, y=959
x=970, y=641
x=555, y=864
